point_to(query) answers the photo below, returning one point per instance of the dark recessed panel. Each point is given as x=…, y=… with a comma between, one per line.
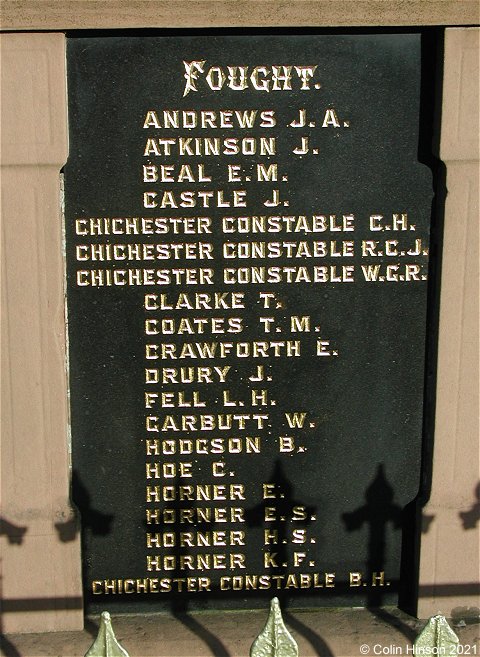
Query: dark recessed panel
x=247, y=241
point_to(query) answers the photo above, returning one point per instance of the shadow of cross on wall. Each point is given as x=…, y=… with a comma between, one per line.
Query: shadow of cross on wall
x=471, y=517
x=172, y=545
x=14, y=533
x=276, y=513
x=378, y=511
x=97, y=522
x=171, y=549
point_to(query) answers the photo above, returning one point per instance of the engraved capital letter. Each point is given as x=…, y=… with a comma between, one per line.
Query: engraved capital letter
x=192, y=70
x=303, y=148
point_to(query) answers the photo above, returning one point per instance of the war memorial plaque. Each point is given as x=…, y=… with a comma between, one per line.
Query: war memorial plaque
x=247, y=228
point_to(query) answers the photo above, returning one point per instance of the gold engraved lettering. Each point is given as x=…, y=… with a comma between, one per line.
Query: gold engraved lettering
x=168, y=173
x=194, y=516
x=143, y=226
x=291, y=274
x=292, y=249
x=378, y=579
x=329, y=580
x=222, y=422
x=207, y=146
x=178, y=399
x=289, y=224
x=132, y=252
x=151, y=585
x=214, y=538
x=270, y=536
x=210, y=119
x=187, y=375
x=195, y=301
x=134, y=277
x=193, y=326
x=238, y=78
x=197, y=492
x=200, y=561
x=171, y=446
x=193, y=350
x=168, y=470
x=278, y=582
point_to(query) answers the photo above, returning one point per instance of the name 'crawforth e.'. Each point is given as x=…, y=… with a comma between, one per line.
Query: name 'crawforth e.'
x=209, y=350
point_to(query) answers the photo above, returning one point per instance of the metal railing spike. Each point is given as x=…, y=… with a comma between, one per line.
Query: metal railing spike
x=106, y=644
x=436, y=638
x=274, y=640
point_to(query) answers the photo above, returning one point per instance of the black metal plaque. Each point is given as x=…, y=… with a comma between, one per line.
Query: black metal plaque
x=247, y=242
